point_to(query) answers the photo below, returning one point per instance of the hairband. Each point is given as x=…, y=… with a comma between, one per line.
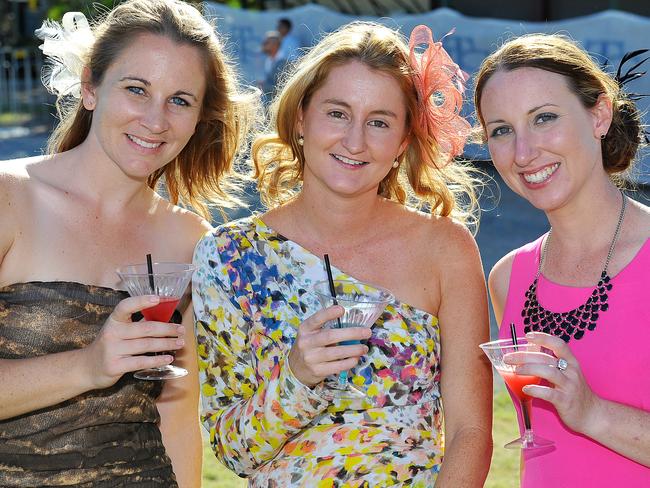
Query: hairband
x=66, y=46
x=440, y=84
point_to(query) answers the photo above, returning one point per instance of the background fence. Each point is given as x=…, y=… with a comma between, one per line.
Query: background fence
x=21, y=89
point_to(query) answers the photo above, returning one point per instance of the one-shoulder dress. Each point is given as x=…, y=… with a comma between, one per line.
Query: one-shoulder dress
x=102, y=438
x=251, y=292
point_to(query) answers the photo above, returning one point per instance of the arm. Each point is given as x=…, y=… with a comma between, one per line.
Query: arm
x=498, y=283
x=622, y=428
x=250, y=410
x=466, y=375
x=179, y=419
x=35, y=383
x=7, y=212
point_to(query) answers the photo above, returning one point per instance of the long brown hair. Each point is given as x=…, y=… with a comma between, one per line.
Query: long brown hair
x=204, y=171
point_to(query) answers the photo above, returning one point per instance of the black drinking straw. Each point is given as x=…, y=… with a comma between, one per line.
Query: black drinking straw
x=150, y=271
x=328, y=268
x=513, y=334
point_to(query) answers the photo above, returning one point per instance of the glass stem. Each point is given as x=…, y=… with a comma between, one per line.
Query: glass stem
x=526, y=406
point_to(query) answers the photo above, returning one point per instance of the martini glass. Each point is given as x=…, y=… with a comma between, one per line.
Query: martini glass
x=168, y=281
x=498, y=352
x=363, y=304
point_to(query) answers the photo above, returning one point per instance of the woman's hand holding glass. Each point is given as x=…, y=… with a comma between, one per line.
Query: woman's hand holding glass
x=567, y=389
x=121, y=344
x=317, y=352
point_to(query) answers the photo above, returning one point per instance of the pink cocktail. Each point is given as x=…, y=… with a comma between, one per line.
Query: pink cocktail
x=516, y=383
x=163, y=311
x=499, y=352
x=169, y=281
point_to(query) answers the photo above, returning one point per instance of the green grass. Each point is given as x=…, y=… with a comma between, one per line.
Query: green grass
x=216, y=475
x=504, y=472
x=14, y=118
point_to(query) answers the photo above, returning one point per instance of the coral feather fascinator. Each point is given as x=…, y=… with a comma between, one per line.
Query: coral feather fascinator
x=440, y=84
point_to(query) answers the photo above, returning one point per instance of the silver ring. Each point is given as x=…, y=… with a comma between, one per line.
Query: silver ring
x=562, y=365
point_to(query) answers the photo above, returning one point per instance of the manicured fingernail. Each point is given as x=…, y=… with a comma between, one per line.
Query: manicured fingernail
x=154, y=298
x=180, y=342
x=530, y=335
x=181, y=329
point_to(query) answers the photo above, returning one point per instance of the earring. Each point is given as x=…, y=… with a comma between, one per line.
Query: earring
x=396, y=163
x=301, y=141
x=602, y=137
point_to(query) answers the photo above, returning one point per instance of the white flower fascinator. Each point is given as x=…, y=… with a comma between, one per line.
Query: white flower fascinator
x=66, y=46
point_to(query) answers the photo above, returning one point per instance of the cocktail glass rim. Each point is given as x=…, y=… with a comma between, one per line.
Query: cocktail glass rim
x=182, y=268
x=502, y=343
x=366, y=298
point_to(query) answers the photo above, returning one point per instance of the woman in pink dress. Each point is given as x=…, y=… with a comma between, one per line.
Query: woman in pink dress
x=560, y=132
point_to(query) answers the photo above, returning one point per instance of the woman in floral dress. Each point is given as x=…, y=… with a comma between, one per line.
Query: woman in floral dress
x=360, y=165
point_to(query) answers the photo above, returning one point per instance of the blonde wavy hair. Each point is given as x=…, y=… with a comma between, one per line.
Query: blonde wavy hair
x=205, y=171
x=423, y=180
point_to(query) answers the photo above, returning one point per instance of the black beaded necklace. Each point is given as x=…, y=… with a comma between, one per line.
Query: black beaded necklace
x=575, y=322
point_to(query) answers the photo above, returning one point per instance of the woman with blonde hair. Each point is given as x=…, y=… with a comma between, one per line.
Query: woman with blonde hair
x=561, y=133
x=359, y=167
x=146, y=95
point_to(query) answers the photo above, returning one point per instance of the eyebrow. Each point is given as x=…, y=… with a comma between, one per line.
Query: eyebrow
x=532, y=110
x=336, y=101
x=148, y=83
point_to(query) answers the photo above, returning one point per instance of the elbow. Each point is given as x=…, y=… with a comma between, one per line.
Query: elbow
x=242, y=464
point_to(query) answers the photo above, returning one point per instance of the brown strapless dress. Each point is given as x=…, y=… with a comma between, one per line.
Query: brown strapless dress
x=103, y=438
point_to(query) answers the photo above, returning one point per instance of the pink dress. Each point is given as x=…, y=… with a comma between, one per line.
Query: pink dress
x=615, y=359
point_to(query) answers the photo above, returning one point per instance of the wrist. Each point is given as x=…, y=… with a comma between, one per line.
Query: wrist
x=303, y=381
x=82, y=370
x=319, y=389
x=596, y=421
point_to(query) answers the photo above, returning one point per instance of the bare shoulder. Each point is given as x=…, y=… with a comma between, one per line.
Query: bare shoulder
x=15, y=176
x=641, y=219
x=500, y=272
x=635, y=234
x=16, y=170
x=499, y=282
x=444, y=236
x=442, y=244
x=14, y=183
x=186, y=227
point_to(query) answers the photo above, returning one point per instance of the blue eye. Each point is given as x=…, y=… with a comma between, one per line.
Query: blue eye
x=378, y=123
x=500, y=131
x=179, y=101
x=136, y=90
x=545, y=117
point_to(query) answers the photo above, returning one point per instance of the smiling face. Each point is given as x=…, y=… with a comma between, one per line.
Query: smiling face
x=354, y=127
x=148, y=104
x=544, y=143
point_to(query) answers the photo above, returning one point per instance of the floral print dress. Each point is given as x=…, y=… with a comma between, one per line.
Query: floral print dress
x=251, y=292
